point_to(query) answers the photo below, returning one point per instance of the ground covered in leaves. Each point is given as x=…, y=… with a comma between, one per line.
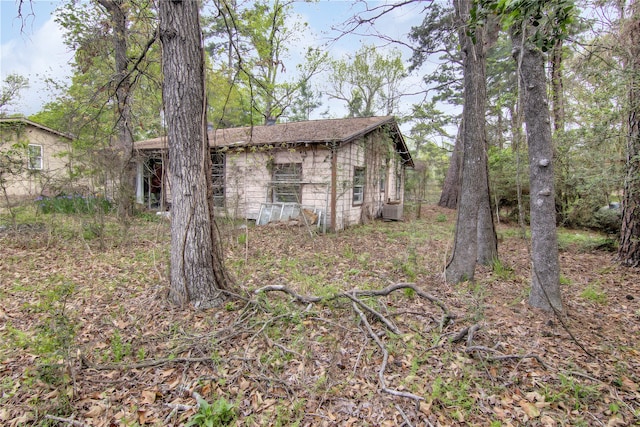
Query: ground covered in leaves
x=87, y=336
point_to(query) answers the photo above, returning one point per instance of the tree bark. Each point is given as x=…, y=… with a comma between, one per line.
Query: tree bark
x=475, y=221
x=197, y=273
x=629, y=249
x=126, y=174
x=451, y=186
x=545, y=278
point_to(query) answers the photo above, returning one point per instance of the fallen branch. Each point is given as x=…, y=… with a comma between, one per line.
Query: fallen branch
x=406, y=419
x=305, y=299
x=69, y=421
x=281, y=288
x=385, y=359
x=479, y=348
x=148, y=363
x=380, y=316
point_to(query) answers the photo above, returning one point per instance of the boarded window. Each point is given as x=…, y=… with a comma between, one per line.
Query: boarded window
x=35, y=157
x=217, y=175
x=286, y=182
x=358, y=186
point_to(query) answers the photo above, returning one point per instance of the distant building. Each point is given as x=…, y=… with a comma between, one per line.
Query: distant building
x=33, y=158
x=332, y=173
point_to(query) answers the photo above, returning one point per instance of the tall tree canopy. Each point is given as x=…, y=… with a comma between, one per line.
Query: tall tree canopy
x=369, y=83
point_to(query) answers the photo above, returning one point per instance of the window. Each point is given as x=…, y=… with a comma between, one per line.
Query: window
x=35, y=157
x=398, y=185
x=358, y=186
x=286, y=182
x=217, y=175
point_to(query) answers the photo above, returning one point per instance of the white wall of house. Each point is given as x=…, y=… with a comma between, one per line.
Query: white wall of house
x=248, y=178
x=248, y=175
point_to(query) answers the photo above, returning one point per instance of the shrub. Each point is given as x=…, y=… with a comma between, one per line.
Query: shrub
x=73, y=204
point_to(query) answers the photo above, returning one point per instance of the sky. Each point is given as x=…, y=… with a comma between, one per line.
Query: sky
x=33, y=46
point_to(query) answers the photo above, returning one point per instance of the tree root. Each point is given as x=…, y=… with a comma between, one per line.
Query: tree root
x=360, y=307
x=471, y=349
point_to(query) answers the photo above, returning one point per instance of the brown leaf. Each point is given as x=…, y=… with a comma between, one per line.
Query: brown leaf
x=628, y=385
x=616, y=421
x=95, y=411
x=149, y=396
x=530, y=409
x=547, y=421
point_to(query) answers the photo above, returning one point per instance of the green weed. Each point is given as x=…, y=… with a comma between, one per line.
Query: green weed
x=594, y=293
x=216, y=414
x=119, y=348
x=502, y=271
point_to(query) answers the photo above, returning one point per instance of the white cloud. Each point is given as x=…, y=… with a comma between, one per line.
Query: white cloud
x=37, y=56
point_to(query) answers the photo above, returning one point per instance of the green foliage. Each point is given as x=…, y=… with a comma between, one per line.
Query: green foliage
x=12, y=85
x=217, y=414
x=73, y=204
x=549, y=20
x=368, y=82
x=593, y=292
x=119, y=348
x=502, y=271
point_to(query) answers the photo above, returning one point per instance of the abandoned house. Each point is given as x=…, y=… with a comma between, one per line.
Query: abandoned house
x=329, y=173
x=34, y=158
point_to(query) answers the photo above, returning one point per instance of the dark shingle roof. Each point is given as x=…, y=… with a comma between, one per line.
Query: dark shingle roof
x=312, y=132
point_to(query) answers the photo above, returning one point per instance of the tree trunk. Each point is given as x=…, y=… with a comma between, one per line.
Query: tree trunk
x=487, y=238
x=197, y=273
x=126, y=174
x=545, y=280
x=451, y=186
x=475, y=219
x=629, y=249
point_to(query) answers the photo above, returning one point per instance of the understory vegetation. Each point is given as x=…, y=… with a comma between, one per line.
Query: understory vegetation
x=355, y=328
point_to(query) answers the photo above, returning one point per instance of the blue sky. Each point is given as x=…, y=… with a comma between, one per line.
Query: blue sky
x=34, y=47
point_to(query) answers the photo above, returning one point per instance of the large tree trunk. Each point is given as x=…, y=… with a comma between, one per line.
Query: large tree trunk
x=545, y=277
x=117, y=10
x=629, y=249
x=197, y=273
x=474, y=221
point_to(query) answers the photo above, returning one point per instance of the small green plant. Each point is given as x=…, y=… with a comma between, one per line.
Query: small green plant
x=409, y=293
x=441, y=218
x=594, y=293
x=119, y=348
x=502, y=271
x=242, y=238
x=348, y=252
x=216, y=414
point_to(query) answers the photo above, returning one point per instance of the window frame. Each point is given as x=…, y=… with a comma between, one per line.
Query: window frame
x=359, y=179
x=218, y=167
x=286, y=184
x=31, y=157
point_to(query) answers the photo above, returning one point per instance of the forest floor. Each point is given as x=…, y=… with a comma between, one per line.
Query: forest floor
x=87, y=336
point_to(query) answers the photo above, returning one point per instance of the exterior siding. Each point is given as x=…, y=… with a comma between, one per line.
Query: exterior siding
x=55, y=165
x=248, y=178
x=258, y=157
